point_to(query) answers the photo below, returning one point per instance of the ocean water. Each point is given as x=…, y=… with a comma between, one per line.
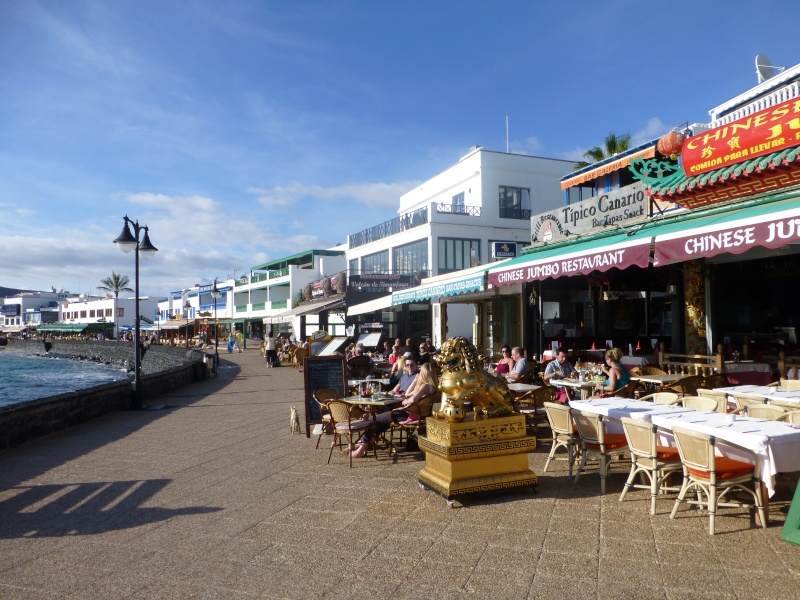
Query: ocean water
x=29, y=377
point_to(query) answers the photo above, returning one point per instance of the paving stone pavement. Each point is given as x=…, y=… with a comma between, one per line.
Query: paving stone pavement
x=213, y=497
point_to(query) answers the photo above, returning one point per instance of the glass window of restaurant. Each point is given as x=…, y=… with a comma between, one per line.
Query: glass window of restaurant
x=456, y=254
x=515, y=203
x=411, y=258
x=375, y=263
x=579, y=311
x=757, y=300
x=352, y=266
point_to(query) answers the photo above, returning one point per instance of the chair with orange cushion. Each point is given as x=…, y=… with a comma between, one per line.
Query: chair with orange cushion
x=648, y=458
x=714, y=476
x=595, y=441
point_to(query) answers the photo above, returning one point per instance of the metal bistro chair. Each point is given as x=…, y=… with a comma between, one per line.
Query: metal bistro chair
x=648, y=458
x=714, y=476
x=595, y=440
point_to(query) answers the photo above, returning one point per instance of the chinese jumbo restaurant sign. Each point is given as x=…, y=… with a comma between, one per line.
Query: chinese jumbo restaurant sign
x=765, y=132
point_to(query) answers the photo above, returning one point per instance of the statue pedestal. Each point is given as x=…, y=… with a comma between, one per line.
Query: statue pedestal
x=476, y=456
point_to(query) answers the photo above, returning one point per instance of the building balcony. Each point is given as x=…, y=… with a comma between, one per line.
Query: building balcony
x=458, y=209
x=515, y=213
x=388, y=228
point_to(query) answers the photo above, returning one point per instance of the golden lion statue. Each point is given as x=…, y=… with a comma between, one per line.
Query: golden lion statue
x=463, y=380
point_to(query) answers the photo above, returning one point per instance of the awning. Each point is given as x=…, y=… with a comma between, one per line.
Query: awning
x=16, y=328
x=370, y=306
x=580, y=258
x=468, y=280
x=64, y=327
x=172, y=325
x=305, y=309
x=768, y=225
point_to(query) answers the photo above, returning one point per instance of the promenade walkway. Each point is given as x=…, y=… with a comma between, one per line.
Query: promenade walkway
x=214, y=498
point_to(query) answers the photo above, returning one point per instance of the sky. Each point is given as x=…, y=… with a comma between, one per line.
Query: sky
x=244, y=131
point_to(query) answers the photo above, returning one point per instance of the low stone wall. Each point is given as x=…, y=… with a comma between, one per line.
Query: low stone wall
x=164, y=369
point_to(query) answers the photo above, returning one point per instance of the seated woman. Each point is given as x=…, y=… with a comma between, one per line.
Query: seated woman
x=398, y=368
x=506, y=363
x=426, y=383
x=618, y=374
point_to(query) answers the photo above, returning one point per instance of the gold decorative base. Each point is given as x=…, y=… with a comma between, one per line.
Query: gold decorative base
x=477, y=456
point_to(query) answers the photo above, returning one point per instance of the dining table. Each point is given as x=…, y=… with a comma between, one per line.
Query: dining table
x=363, y=384
x=523, y=387
x=763, y=391
x=584, y=387
x=774, y=444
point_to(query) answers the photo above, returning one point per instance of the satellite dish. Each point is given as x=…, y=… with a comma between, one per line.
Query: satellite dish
x=764, y=68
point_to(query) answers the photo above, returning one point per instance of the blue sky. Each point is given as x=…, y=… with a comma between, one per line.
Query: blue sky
x=244, y=131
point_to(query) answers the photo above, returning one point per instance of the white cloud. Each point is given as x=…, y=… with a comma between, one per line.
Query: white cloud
x=575, y=154
x=653, y=129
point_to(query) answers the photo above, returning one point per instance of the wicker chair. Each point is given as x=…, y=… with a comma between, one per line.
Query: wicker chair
x=651, y=370
x=349, y=422
x=686, y=386
x=565, y=434
x=595, y=441
x=709, y=474
x=531, y=404
x=411, y=430
x=648, y=458
x=714, y=381
x=792, y=417
x=322, y=396
x=662, y=398
x=359, y=367
x=786, y=405
x=720, y=397
x=700, y=403
x=297, y=358
x=626, y=391
x=764, y=411
x=741, y=399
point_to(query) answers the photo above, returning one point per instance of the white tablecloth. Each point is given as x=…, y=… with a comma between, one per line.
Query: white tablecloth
x=775, y=445
x=764, y=391
x=747, y=367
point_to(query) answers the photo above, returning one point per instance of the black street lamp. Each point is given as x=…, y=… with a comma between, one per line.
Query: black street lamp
x=215, y=293
x=128, y=243
x=186, y=308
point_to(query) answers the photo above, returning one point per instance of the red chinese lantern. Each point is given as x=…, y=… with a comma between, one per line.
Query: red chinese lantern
x=671, y=144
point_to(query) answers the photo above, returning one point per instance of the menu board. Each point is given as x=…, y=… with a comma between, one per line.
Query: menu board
x=322, y=372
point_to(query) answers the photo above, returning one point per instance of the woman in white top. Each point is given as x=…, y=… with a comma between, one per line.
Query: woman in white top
x=269, y=349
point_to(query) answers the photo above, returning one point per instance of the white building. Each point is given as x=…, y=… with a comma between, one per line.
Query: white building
x=452, y=222
x=30, y=309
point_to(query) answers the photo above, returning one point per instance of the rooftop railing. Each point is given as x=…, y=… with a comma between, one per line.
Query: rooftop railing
x=387, y=228
x=458, y=209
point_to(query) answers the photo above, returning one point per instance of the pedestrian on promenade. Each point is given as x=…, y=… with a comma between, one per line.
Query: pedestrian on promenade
x=269, y=349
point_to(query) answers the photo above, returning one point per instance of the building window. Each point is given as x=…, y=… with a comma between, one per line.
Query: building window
x=83, y=314
x=91, y=314
x=121, y=311
x=375, y=263
x=515, y=203
x=353, y=266
x=455, y=254
x=109, y=312
x=458, y=203
x=411, y=258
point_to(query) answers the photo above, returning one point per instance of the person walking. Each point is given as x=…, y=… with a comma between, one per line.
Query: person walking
x=269, y=349
x=239, y=340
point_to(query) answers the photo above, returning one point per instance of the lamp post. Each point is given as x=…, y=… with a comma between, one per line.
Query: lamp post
x=215, y=293
x=129, y=243
x=186, y=308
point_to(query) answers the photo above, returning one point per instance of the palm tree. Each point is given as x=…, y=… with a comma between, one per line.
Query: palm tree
x=115, y=284
x=614, y=144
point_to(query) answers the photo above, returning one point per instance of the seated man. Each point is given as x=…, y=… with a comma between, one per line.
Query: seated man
x=410, y=374
x=387, y=349
x=521, y=365
x=556, y=369
x=424, y=357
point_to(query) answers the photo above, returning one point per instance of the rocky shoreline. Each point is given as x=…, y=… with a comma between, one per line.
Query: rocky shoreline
x=164, y=369
x=156, y=358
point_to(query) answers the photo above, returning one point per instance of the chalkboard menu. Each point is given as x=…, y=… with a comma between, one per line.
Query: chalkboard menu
x=322, y=372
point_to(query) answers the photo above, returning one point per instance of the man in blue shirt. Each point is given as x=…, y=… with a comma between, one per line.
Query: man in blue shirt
x=557, y=369
x=410, y=374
